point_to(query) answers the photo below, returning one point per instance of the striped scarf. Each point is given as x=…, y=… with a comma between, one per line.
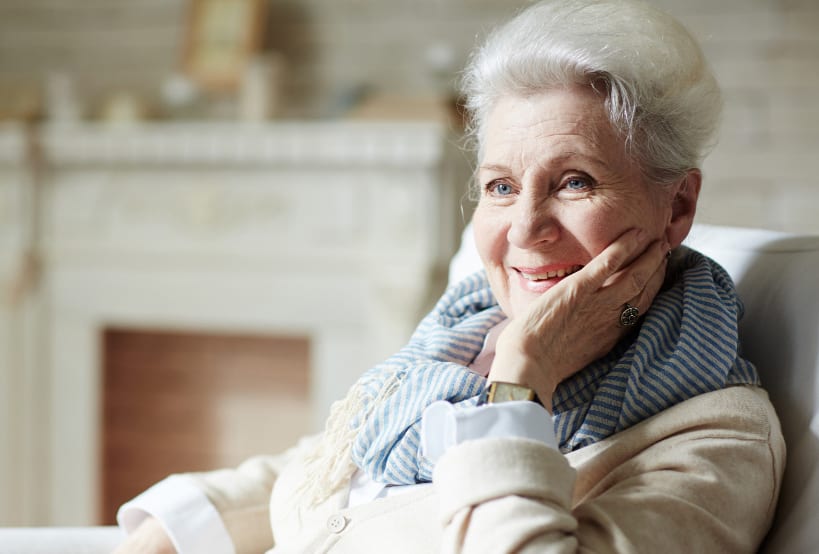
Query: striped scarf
x=687, y=345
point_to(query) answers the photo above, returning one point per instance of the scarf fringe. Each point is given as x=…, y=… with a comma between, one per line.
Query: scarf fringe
x=329, y=466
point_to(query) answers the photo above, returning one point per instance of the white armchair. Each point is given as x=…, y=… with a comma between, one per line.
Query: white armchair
x=59, y=540
x=778, y=279
x=777, y=275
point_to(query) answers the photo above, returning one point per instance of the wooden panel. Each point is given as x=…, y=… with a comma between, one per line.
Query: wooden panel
x=175, y=402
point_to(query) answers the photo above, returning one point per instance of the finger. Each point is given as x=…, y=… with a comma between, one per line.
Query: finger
x=639, y=304
x=637, y=307
x=645, y=297
x=612, y=259
x=635, y=277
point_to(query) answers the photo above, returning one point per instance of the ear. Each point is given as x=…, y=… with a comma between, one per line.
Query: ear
x=683, y=207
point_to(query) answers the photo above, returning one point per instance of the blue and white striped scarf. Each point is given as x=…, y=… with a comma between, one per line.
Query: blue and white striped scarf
x=687, y=345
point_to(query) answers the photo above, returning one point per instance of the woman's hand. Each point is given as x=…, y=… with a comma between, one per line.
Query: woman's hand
x=577, y=321
x=149, y=538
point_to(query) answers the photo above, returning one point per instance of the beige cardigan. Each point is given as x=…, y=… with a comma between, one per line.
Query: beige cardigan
x=702, y=476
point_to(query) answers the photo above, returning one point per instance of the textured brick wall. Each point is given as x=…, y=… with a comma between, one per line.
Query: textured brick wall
x=764, y=172
x=765, y=52
x=104, y=44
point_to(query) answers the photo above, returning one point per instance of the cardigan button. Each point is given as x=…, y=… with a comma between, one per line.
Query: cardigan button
x=337, y=523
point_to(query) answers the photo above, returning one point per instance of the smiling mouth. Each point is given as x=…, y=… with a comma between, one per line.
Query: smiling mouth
x=551, y=274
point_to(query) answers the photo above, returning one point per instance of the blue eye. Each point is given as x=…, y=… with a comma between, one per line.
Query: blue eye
x=576, y=183
x=500, y=188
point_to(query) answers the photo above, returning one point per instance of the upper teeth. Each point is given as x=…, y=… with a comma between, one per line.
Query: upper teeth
x=551, y=274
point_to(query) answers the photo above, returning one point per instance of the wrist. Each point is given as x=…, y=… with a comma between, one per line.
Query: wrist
x=523, y=376
x=497, y=392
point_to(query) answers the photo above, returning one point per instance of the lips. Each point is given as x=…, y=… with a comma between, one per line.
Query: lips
x=539, y=274
x=537, y=280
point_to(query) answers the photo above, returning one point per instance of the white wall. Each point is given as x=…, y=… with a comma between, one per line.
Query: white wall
x=764, y=172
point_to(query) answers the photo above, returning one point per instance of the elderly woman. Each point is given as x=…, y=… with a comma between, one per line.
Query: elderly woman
x=583, y=392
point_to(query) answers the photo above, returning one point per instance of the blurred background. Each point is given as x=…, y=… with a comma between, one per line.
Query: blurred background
x=214, y=214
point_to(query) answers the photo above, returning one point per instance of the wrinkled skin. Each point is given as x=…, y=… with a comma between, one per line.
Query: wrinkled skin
x=569, y=231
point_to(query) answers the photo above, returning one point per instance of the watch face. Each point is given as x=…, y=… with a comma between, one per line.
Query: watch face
x=507, y=392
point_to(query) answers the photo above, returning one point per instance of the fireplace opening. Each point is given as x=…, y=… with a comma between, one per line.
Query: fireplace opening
x=191, y=401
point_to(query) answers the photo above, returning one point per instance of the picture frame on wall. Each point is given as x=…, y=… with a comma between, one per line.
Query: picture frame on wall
x=221, y=37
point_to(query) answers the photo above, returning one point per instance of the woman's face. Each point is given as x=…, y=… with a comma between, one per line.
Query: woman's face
x=556, y=189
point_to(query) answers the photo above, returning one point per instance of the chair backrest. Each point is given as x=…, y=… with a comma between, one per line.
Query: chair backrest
x=777, y=275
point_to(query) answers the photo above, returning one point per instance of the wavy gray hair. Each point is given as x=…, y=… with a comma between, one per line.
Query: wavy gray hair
x=658, y=90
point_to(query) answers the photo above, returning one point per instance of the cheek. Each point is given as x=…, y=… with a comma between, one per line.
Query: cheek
x=489, y=235
x=490, y=241
x=595, y=226
x=600, y=225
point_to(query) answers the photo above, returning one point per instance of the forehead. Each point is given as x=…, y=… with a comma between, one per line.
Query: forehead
x=553, y=123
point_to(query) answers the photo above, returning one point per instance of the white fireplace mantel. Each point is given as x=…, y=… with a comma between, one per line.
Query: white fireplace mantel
x=351, y=143
x=337, y=231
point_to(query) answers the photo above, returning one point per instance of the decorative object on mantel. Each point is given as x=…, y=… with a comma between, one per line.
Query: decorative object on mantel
x=21, y=102
x=221, y=37
x=180, y=97
x=124, y=108
x=260, y=94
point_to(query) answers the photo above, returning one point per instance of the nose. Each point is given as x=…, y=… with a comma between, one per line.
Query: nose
x=533, y=222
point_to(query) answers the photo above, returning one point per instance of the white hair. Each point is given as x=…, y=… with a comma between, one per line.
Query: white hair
x=659, y=92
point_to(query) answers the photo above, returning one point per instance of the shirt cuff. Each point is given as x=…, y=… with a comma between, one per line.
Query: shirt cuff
x=189, y=518
x=444, y=426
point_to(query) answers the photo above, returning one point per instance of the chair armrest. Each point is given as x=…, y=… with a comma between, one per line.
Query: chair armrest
x=59, y=540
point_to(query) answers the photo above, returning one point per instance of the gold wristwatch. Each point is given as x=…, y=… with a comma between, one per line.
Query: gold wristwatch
x=499, y=391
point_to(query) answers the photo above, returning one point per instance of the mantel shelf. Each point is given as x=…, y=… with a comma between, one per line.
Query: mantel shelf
x=331, y=143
